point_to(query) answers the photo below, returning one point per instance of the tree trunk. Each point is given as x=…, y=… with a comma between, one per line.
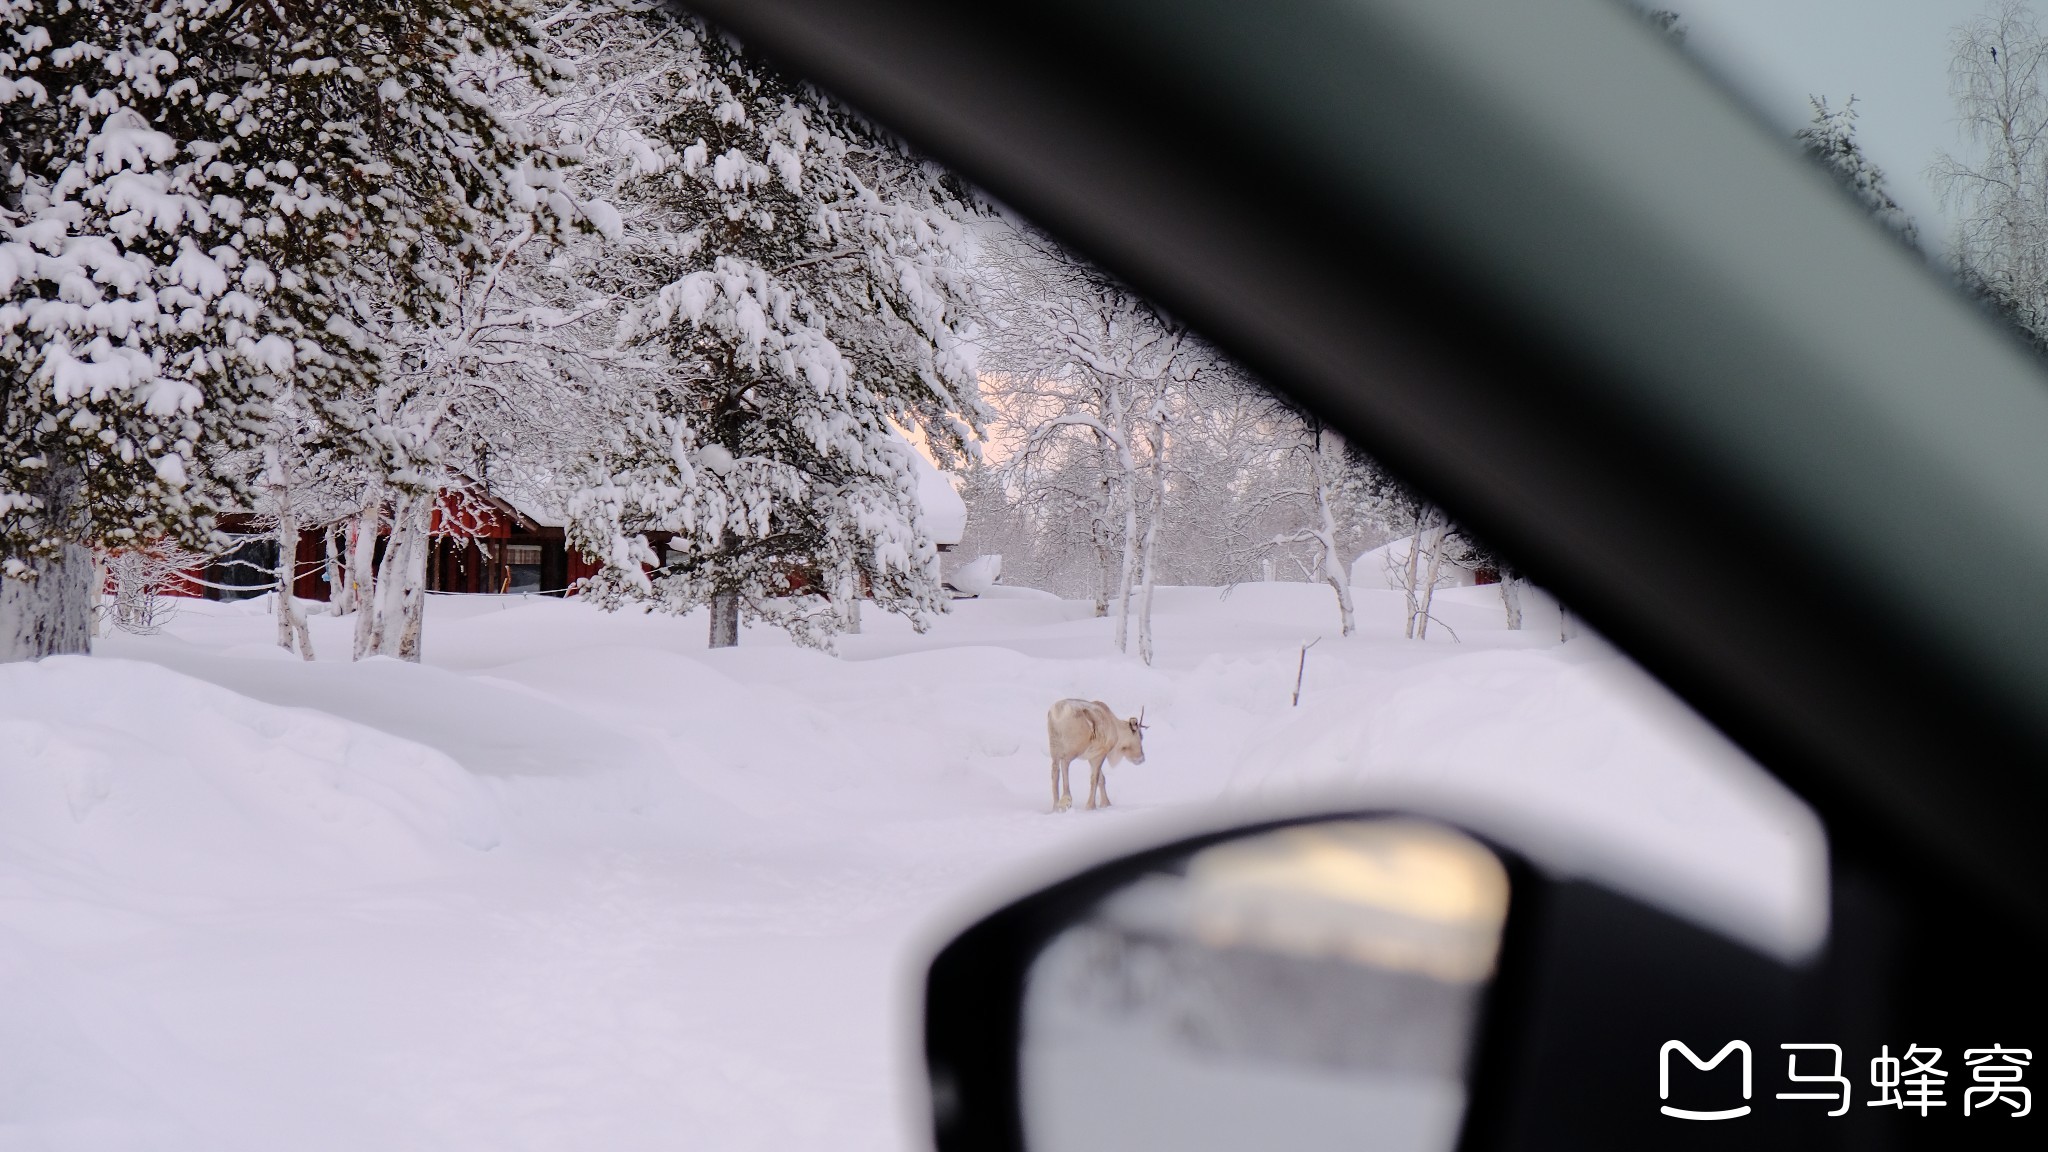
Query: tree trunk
x=102, y=615
x=1428, y=591
x=849, y=605
x=362, y=570
x=402, y=579
x=1120, y=467
x=1326, y=537
x=339, y=599
x=725, y=620
x=1102, y=570
x=1129, y=574
x=1099, y=535
x=412, y=588
x=1151, y=543
x=1335, y=576
x=51, y=612
x=291, y=623
x=1511, y=599
x=1409, y=575
x=384, y=598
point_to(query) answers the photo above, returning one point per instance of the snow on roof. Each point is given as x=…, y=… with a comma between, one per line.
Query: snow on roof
x=1377, y=567
x=945, y=514
x=539, y=513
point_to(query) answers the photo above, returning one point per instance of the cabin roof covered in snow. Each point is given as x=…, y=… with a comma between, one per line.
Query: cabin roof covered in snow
x=945, y=514
x=531, y=509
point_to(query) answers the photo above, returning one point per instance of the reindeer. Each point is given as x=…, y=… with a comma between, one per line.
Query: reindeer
x=1087, y=729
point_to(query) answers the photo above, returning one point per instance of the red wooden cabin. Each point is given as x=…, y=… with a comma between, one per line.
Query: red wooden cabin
x=481, y=544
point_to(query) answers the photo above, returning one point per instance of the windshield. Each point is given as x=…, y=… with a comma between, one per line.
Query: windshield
x=541, y=569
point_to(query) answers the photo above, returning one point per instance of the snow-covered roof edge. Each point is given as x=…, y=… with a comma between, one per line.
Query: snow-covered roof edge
x=945, y=514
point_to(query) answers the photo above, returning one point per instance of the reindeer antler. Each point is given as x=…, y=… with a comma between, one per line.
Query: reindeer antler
x=1141, y=717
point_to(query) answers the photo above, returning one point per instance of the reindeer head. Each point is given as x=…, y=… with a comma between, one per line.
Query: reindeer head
x=1134, y=747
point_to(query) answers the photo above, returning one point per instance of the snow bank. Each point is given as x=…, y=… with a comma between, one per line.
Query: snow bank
x=977, y=575
x=126, y=775
x=1018, y=592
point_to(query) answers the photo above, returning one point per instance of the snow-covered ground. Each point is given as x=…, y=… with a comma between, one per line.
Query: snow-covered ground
x=578, y=883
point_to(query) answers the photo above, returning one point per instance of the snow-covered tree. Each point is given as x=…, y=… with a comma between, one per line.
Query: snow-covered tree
x=197, y=195
x=1831, y=139
x=500, y=370
x=1434, y=542
x=1998, y=79
x=1324, y=462
x=804, y=281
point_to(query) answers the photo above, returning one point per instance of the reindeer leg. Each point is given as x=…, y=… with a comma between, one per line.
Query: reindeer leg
x=1055, y=785
x=1066, y=797
x=1105, y=787
x=1094, y=780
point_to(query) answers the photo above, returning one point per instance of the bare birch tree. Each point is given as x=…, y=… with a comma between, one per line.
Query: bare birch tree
x=1998, y=79
x=1092, y=373
x=1322, y=463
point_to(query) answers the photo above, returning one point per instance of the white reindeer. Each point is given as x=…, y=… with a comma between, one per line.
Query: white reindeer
x=1087, y=729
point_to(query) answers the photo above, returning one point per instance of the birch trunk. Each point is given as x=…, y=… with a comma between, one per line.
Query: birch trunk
x=291, y=623
x=412, y=589
x=1102, y=557
x=1151, y=543
x=1409, y=574
x=339, y=600
x=1326, y=537
x=1117, y=461
x=102, y=614
x=849, y=605
x=1511, y=599
x=383, y=594
x=402, y=580
x=1129, y=574
x=1428, y=590
x=362, y=569
x=1100, y=530
x=51, y=613
x=725, y=620
x=1340, y=583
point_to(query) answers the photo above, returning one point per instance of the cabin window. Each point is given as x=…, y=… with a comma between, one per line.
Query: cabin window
x=248, y=569
x=522, y=568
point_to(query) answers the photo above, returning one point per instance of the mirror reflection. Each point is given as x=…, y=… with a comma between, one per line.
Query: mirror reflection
x=1315, y=986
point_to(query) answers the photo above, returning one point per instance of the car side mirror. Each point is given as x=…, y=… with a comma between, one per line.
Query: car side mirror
x=1371, y=982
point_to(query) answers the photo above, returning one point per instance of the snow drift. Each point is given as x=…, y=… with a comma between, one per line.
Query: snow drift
x=134, y=775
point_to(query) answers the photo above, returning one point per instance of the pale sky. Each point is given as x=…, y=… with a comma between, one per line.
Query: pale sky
x=1891, y=54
